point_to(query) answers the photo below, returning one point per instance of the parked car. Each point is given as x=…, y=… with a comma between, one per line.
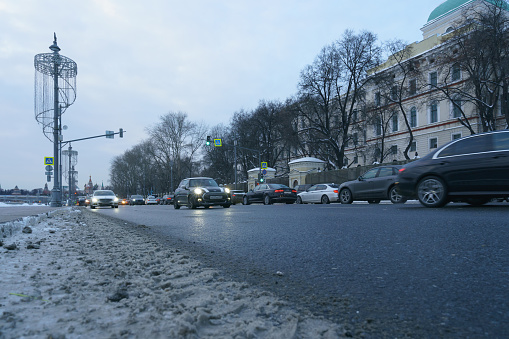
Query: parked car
x=473, y=169
x=376, y=184
x=201, y=191
x=167, y=199
x=302, y=188
x=151, y=200
x=237, y=196
x=269, y=194
x=320, y=193
x=103, y=198
x=136, y=199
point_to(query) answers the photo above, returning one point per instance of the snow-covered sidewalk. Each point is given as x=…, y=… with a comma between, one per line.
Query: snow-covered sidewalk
x=80, y=275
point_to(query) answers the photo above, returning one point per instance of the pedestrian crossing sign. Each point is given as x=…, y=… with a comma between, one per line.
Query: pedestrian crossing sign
x=218, y=142
x=49, y=160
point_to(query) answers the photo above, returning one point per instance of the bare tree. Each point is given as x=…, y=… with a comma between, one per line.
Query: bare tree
x=333, y=88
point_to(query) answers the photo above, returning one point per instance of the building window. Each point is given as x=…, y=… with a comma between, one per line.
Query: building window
x=456, y=108
x=355, y=159
x=395, y=124
x=394, y=93
x=377, y=99
x=433, y=143
x=394, y=149
x=456, y=72
x=413, y=87
x=354, y=116
x=433, y=79
x=413, y=117
x=378, y=126
x=355, y=139
x=455, y=136
x=433, y=112
x=413, y=146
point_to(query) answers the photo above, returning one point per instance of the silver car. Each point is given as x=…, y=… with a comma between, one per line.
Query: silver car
x=320, y=193
x=103, y=198
x=376, y=184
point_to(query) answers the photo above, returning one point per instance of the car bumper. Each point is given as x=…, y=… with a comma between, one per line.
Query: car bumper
x=213, y=199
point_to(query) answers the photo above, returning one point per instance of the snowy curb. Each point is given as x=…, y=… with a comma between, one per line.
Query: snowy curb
x=10, y=228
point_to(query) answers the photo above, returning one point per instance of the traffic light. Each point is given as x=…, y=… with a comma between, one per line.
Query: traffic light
x=209, y=140
x=261, y=179
x=121, y=132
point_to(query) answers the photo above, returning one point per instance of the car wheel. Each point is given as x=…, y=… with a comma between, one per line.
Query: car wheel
x=345, y=196
x=325, y=199
x=299, y=200
x=478, y=201
x=395, y=197
x=92, y=207
x=192, y=203
x=267, y=200
x=245, y=201
x=176, y=205
x=226, y=205
x=432, y=192
x=374, y=201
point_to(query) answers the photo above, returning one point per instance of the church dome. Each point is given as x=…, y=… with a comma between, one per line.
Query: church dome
x=446, y=7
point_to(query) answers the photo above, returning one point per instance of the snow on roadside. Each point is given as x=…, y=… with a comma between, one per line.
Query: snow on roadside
x=78, y=274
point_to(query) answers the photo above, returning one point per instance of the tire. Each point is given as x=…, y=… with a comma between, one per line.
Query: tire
x=299, y=200
x=395, y=197
x=176, y=205
x=374, y=201
x=192, y=203
x=345, y=196
x=432, y=192
x=112, y=206
x=226, y=205
x=245, y=201
x=92, y=207
x=325, y=199
x=266, y=200
x=478, y=201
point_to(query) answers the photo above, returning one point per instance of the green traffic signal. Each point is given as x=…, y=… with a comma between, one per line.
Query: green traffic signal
x=209, y=140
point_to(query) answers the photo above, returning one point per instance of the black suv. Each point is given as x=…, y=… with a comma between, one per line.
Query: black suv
x=473, y=169
x=194, y=192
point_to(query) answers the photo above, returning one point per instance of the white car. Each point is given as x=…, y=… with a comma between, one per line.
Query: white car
x=320, y=193
x=151, y=200
x=103, y=198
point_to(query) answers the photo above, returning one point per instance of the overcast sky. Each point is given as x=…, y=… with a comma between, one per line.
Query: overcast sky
x=138, y=60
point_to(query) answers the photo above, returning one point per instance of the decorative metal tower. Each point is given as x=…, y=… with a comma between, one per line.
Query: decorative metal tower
x=55, y=90
x=70, y=161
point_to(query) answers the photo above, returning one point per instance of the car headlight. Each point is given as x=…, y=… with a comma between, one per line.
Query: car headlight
x=227, y=190
x=198, y=191
x=94, y=199
x=115, y=200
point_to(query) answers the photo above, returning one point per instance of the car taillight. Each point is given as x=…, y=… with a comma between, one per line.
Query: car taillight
x=279, y=191
x=294, y=191
x=401, y=170
x=336, y=191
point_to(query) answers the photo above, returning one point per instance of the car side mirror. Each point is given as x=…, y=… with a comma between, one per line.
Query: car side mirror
x=360, y=178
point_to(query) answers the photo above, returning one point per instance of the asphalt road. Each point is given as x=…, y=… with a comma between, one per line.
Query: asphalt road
x=383, y=270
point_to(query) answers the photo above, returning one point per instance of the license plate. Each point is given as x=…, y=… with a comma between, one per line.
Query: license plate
x=288, y=192
x=216, y=197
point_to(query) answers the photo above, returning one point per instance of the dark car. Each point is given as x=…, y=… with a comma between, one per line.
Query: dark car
x=136, y=200
x=195, y=192
x=302, y=188
x=81, y=200
x=473, y=169
x=269, y=194
x=167, y=199
x=376, y=184
x=237, y=196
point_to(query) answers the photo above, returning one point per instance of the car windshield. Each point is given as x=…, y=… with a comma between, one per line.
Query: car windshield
x=202, y=183
x=103, y=193
x=136, y=197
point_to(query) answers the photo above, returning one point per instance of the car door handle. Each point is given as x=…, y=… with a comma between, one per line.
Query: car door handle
x=496, y=156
